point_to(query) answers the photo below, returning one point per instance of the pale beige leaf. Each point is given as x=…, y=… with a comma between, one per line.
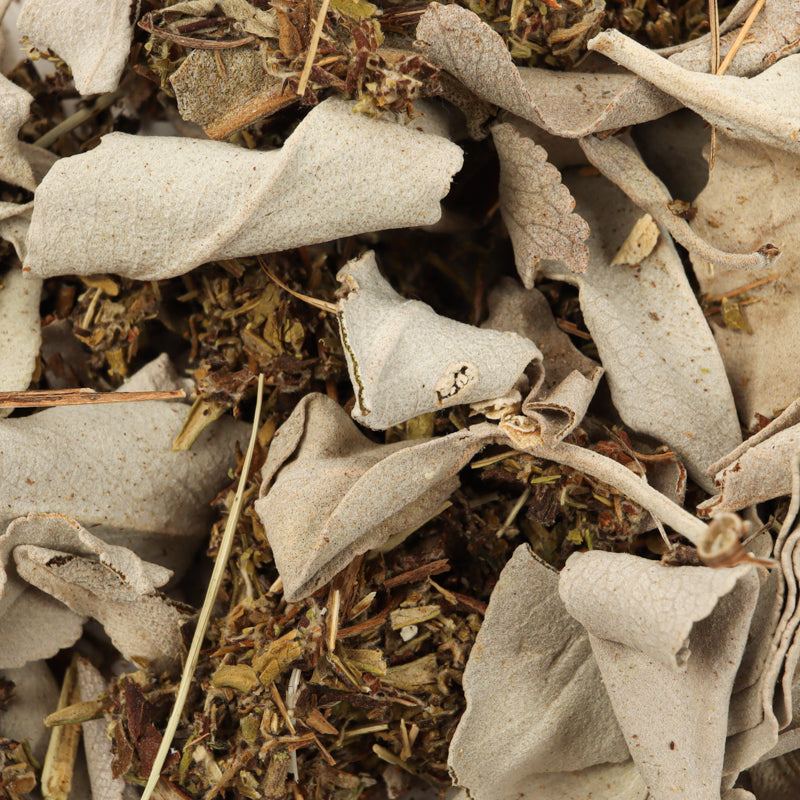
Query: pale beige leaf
x=569, y=104
x=96, y=742
x=329, y=494
x=143, y=624
x=15, y=220
x=535, y=699
x=558, y=399
x=35, y=696
x=49, y=626
x=668, y=642
x=21, y=164
x=174, y=203
x=751, y=198
x=663, y=368
x=20, y=331
x=620, y=163
x=764, y=108
x=113, y=468
x=405, y=360
x=774, y=35
x=537, y=207
x=95, y=45
x=760, y=473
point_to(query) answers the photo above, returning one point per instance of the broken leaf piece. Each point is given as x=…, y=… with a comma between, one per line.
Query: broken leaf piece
x=535, y=699
x=763, y=108
x=113, y=468
x=760, y=473
x=536, y=206
x=668, y=641
x=207, y=94
x=405, y=360
x=750, y=199
x=95, y=44
x=620, y=163
x=20, y=331
x=178, y=203
x=92, y=578
x=569, y=104
x=665, y=373
x=329, y=494
x=21, y=164
x=15, y=220
x=638, y=244
x=558, y=400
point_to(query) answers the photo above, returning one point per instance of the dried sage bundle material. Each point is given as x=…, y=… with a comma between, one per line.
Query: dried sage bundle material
x=405, y=360
x=176, y=203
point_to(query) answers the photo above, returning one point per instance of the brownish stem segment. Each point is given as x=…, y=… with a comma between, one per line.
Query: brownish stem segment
x=79, y=397
x=257, y=107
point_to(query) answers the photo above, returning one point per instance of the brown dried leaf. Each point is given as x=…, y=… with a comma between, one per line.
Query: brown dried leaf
x=537, y=207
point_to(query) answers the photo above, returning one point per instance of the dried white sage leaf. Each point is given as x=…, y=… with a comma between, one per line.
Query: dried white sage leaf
x=95, y=44
x=664, y=371
x=113, y=468
x=96, y=742
x=773, y=35
x=20, y=331
x=536, y=206
x=33, y=629
x=535, y=699
x=760, y=473
x=763, y=108
x=329, y=494
x=21, y=164
x=560, y=396
x=405, y=360
x=620, y=163
x=15, y=220
x=569, y=104
x=143, y=624
x=668, y=642
x=35, y=696
x=751, y=198
x=178, y=203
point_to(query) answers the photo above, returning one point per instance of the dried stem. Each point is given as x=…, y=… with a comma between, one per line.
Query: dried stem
x=257, y=107
x=208, y=605
x=79, y=397
x=312, y=49
x=78, y=118
x=740, y=37
x=189, y=41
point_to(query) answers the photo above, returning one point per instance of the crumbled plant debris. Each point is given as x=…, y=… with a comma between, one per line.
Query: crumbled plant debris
x=18, y=770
